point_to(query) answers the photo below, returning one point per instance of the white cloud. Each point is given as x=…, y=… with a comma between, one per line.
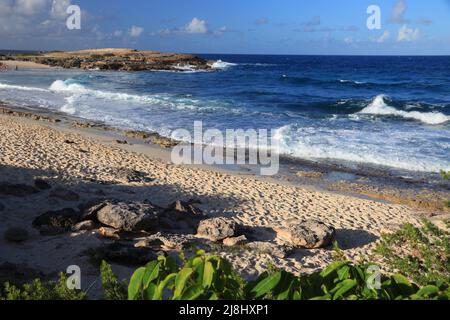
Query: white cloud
x=398, y=11
x=59, y=8
x=196, y=26
x=136, y=31
x=407, y=34
x=118, y=33
x=384, y=37
x=29, y=7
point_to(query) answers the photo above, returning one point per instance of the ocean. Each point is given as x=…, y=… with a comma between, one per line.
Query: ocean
x=381, y=112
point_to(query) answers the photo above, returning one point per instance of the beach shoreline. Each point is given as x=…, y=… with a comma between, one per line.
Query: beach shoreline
x=16, y=64
x=423, y=193
x=84, y=160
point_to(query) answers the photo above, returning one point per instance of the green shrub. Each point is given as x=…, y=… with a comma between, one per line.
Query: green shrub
x=421, y=254
x=38, y=290
x=201, y=277
x=211, y=277
x=112, y=287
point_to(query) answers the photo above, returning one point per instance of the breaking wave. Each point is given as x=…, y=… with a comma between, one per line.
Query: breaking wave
x=379, y=107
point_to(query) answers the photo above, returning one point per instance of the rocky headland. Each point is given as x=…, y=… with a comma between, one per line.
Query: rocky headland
x=115, y=59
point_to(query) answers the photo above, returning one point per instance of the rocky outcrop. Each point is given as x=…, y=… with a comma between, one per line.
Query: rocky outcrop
x=273, y=249
x=128, y=216
x=64, y=219
x=216, y=229
x=235, y=241
x=120, y=59
x=307, y=234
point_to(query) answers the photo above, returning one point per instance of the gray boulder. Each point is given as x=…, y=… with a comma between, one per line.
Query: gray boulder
x=216, y=229
x=128, y=216
x=307, y=234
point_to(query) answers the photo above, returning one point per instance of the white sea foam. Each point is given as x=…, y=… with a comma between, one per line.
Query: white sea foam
x=351, y=81
x=219, y=64
x=359, y=148
x=14, y=87
x=78, y=92
x=379, y=107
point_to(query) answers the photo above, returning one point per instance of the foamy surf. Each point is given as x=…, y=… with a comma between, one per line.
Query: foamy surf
x=379, y=107
x=351, y=149
x=219, y=64
x=22, y=88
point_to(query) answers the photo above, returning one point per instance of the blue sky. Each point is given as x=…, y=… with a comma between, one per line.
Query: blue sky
x=231, y=26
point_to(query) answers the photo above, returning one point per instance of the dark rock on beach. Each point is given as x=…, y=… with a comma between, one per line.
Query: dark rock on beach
x=308, y=234
x=128, y=216
x=64, y=218
x=216, y=229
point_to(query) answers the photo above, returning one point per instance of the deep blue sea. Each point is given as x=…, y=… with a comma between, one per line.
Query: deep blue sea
x=376, y=111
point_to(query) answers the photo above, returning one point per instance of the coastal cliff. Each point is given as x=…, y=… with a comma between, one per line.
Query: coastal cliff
x=116, y=59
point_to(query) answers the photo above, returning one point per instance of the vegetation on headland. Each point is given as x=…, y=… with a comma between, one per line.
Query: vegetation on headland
x=421, y=256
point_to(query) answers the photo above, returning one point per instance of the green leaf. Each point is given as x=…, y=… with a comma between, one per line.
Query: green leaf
x=151, y=273
x=193, y=293
x=208, y=274
x=405, y=287
x=158, y=295
x=343, y=272
x=267, y=284
x=149, y=293
x=344, y=287
x=180, y=281
x=135, y=283
x=333, y=267
x=427, y=291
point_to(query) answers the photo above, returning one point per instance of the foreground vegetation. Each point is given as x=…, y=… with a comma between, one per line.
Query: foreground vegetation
x=420, y=255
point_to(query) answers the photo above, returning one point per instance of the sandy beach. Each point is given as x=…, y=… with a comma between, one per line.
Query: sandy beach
x=85, y=162
x=12, y=65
